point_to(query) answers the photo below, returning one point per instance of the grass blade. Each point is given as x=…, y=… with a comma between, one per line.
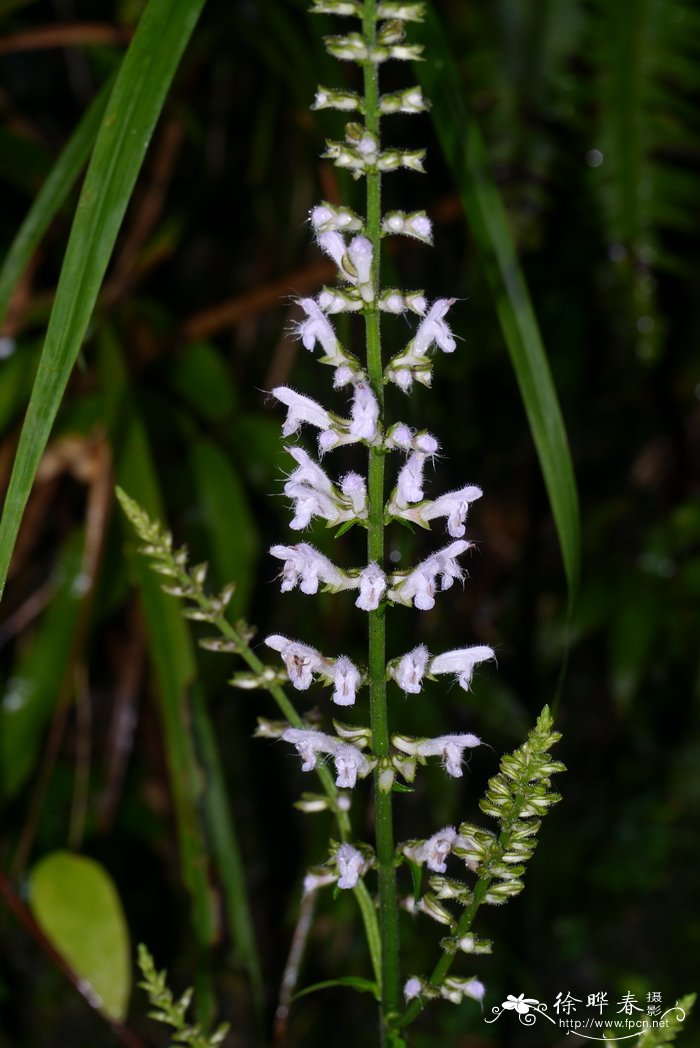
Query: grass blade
x=466, y=154
x=133, y=109
x=51, y=197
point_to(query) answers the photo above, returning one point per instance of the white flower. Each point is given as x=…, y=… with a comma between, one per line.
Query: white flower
x=410, y=669
x=354, y=488
x=317, y=328
x=449, y=747
x=333, y=244
x=351, y=864
x=300, y=409
x=315, y=880
x=399, y=437
x=305, y=567
x=372, y=588
x=435, y=850
x=364, y=414
x=455, y=988
x=409, y=484
x=462, y=662
x=301, y=660
x=433, y=329
x=413, y=987
x=454, y=505
x=360, y=256
x=331, y=300
x=419, y=585
x=315, y=496
x=347, y=678
x=308, y=744
x=308, y=471
x=349, y=763
x=326, y=217
x=426, y=443
x=308, y=503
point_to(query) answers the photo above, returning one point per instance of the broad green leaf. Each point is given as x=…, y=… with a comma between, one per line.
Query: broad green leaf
x=132, y=111
x=76, y=905
x=51, y=197
x=466, y=154
x=353, y=981
x=34, y=685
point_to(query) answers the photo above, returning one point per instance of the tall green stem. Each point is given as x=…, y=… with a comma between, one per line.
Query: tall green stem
x=384, y=832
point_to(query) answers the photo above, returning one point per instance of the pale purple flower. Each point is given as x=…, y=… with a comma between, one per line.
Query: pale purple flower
x=351, y=864
x=454, y=505
x=413, y=987
x=318, y=879
x=305, y=567
x=309, y=744
x=354, y=488
x=360, y=256
x=300, y=660
x=300, y=409
x=317, y=328
x=333, y=244
x=364, y=414
x=462, y=662
x=372, y=588
x=448, y=747
x=346, y=678
x=410, y=669
x=349, y=763
x=433, y=330
x=436, y=849
x=455, y=988
x=308, y=472
x=409, y=484
x=419, y=586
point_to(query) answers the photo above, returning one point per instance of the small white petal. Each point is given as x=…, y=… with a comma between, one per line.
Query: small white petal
x=350, y=863
x=364, y=414
x=462, y=662
x=409, y=484
x=438, y=847
x=332, y=244
x=413, y=987
x=349, y=763
x=372, y=588
x=308, y=744
x=346, y=678
x=300, y=409
x=410, y=669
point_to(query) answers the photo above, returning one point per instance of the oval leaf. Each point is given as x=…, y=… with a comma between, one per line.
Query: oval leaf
x=76, y=905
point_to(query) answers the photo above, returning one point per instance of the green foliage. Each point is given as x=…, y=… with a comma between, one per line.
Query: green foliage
x=173, y=1012
x=131, y=115
x=675, y=1017
x=76, y=904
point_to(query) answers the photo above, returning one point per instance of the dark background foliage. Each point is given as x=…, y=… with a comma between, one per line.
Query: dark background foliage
x=590, y=115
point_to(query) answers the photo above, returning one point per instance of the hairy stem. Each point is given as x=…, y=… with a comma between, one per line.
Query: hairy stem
x=384, y=833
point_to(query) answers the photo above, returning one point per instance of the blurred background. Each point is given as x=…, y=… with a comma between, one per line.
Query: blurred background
x=589, y=115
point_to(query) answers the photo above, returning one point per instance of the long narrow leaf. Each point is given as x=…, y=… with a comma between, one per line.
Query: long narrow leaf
x=133, y=109
x=51, y=197
x=466, y=154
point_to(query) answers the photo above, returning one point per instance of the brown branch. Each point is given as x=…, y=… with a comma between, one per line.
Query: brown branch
x=30, y=925
x=228, y=314
x=78, y=34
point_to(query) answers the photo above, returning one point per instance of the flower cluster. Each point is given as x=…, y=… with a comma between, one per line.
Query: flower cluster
x=353, y=242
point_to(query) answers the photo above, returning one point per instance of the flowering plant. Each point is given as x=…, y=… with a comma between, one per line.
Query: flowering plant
x=520, y=793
